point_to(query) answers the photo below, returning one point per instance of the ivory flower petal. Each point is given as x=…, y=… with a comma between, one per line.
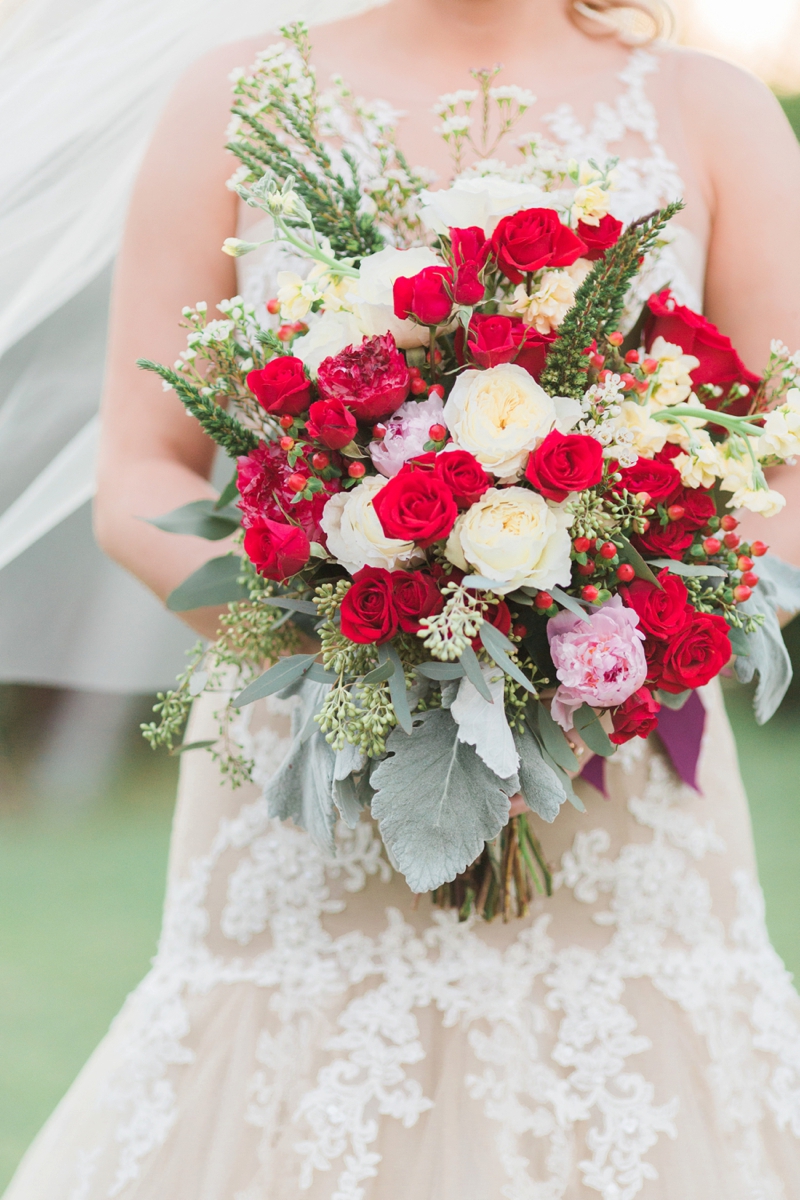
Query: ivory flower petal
x=355, y=535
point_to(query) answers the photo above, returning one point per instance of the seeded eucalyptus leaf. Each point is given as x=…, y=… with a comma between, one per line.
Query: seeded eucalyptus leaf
x=436, y=802
x=381, y=673
x=538, y=783
x=317, y=673
x=689, y=570
x=570, y=603
x=469, y=661
x=300, y=606
x=200, y=518
x=216, y=582
x=279, y=676
x=629, y=554
x=497, y=645
x=397, y=686
x=441, y=670
x=229, y=493
x=587, y=724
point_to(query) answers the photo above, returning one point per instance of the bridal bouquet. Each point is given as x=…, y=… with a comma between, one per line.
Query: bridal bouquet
x=499, y=497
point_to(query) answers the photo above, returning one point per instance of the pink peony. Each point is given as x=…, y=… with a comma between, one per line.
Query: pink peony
x=601, y=663
x=406, y=434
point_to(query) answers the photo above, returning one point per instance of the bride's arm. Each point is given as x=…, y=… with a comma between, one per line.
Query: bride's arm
x=751, y=162
x=154, y=457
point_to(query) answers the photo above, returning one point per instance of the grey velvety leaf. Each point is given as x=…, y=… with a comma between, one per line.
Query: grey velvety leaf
x=538, y=783
x=302, y=790
x=349, y=761
x=436, y=801
x=349, y=799
x=449, y=692
x=781, y=581
x=768, y=656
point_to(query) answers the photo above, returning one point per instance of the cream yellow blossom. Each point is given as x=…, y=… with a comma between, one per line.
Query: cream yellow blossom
x=702, y=465
x=547, y=306
x=589, y=204
x=765, y=501
x=649, y=436
x=672, y=382
x=781, y=432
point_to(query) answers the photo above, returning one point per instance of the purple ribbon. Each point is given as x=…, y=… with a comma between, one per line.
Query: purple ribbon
x=681, y=732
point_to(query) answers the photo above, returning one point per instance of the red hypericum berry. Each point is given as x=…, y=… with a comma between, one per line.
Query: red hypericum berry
x=625, y=572
x=379, y=431
x=296, y=482
x=712, y=545
x=437, y=433
x=742, y=593
x=758, y=549
x=632, y=357
x=356, y=470
x=285, y=333
x=616, y=338
x=437, y=357
x=608, y=550
x=650, y=366
x=286, y=422
x=299, y=327
x=436, y=389
x=286, y=443
x=581, y=544
x=644, y=498
x=605, y=375
x=418, y=385
x=520, y=630
x=641, y=386
x=731, y=540
x=590, y=593
x=598, y=360
x=750, y=579
x=544, y=600
x=729, y=523
x=273, y=307
x=745, y=563
x=320, y=460
x=645, y=524
x=628, y=382
x=414, y=372
x=676, y=512
x=586, y=568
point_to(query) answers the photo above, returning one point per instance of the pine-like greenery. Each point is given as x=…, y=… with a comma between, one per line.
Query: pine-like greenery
x=599, y=303
x=226, y=431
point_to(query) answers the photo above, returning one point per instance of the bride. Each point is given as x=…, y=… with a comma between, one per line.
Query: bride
x=307, y=1027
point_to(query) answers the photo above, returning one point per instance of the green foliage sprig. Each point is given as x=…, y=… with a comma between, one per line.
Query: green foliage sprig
x=228, y=432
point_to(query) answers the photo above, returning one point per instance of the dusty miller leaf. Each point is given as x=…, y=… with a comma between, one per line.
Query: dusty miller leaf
x=538, y=783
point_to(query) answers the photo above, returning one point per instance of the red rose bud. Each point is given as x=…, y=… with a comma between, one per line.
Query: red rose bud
x=461, y=472
x=371, y=379
x=332, y=423
x=625, y=573
x=720, y=365
x=637, y=717
x=470, y=246
x=590, y=593
x=729, y=523
x=543, y=600
x=712, y=545
x=428, y=296
x=698, y=507
x=281, y=386
x=368, y=612
x=493, y=339
x=742, y=593
x=356, y=470
x=659, y=479
x=276, y=550
x=598, y=239
x=416, y=506
x=564, y=463
x=467, y=287
x=415, y=596
x=750, y=579
x=696, y=654
x=759, y=549
x=534, y=238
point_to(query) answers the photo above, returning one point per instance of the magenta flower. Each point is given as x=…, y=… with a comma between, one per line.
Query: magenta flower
x=600, y=663
x=406, y=434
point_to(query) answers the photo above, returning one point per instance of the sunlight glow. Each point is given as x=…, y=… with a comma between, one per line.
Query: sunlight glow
x=746, y=23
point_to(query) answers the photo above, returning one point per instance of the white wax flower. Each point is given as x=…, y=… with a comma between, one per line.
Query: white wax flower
x=501, y=414
x=355, y=535
x=480, y=201
x=374, y=299
x=514, y=536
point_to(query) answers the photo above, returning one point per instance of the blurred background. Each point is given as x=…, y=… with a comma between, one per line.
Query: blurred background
x=85, y=806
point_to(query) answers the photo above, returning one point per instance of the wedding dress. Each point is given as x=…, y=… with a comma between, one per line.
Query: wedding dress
x=310, y=1028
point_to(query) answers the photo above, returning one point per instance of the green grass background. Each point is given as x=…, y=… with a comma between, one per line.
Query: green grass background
x=81, y=894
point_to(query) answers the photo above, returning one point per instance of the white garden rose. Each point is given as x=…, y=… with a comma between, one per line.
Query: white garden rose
x=355, y=535
x=481, y=200
x=329, y=335
x=516, y=537
x=374, y=293
x=501, y=414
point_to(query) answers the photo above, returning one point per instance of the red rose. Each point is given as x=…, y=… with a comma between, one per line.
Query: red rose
x=637, y=717
x=263, y=493
x=461, y=472
x=698, y=505
x=470, y=246
x=664, y=541
x=276, y=550
x=332, y=423
x=415, y=506
x=499, y=615
x=565, y=463
x=669, y=451
x=415, y=596
x=493, y=339
x=281, y=387
x=659, y=479
x=662, y=611
x=467, y=287
x=368, y=613
x=696, y=655
x=720, y=365
x=599, y=238
x=428, y=296
x=534, y=238
x=371, y=379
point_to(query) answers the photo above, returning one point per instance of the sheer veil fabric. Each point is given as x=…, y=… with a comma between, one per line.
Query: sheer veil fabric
x=82, y=83
x=309, y=1028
